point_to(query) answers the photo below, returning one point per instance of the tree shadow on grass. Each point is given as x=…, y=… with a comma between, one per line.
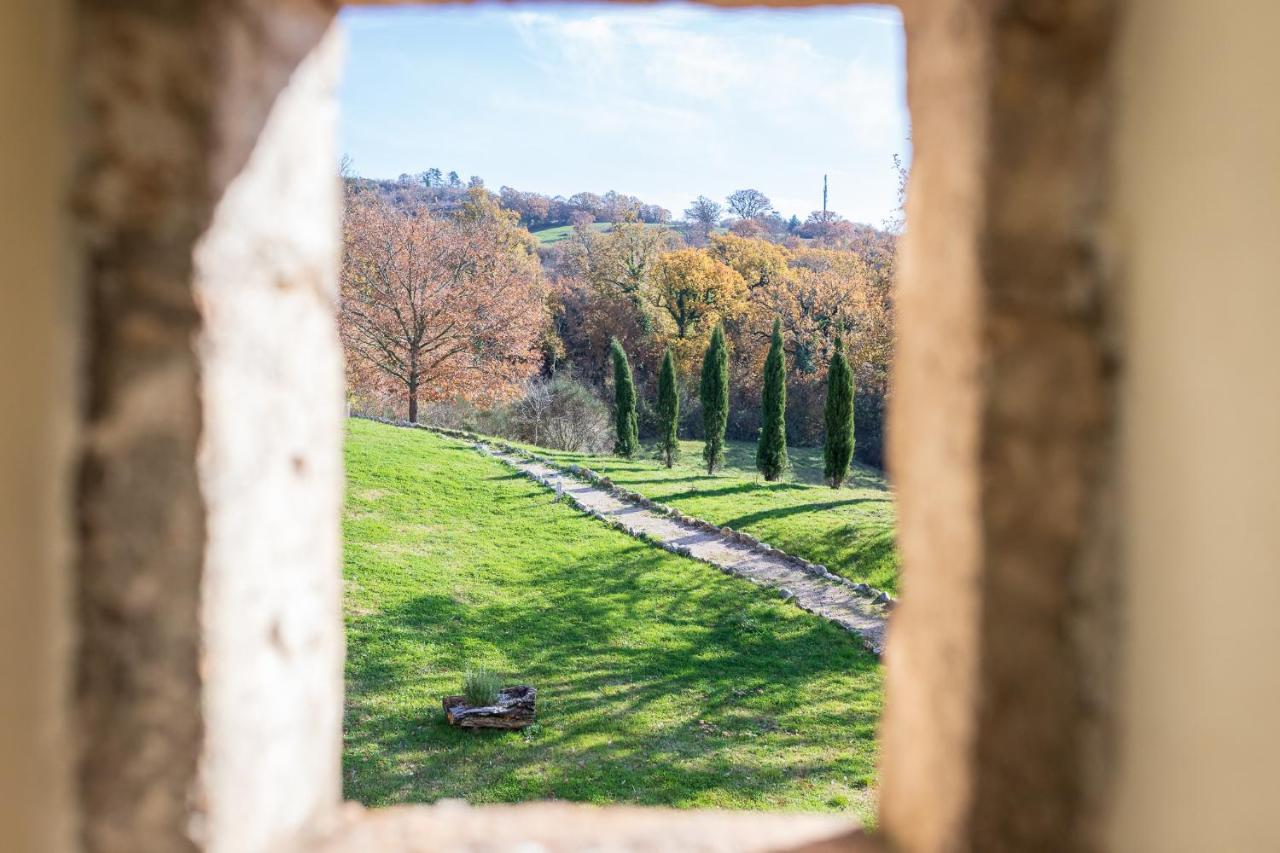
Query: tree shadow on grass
x=867, y=552
x=694, y=478
x=798, y=509
x=806, y=465
x=659, y=682
x=748, y=488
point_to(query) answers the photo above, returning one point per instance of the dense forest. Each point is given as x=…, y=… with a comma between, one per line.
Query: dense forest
x=453, y=310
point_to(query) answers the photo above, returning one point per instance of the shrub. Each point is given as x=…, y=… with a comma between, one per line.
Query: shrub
x=560, y=414
x=480, y=686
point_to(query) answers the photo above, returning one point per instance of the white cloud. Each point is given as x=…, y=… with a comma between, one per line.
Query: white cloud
x=653, y=61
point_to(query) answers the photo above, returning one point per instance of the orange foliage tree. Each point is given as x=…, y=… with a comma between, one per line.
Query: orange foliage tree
x=438, y=308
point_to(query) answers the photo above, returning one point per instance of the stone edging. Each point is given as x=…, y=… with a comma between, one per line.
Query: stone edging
x=873, y=595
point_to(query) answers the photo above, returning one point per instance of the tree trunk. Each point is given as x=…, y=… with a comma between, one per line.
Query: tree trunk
x=413, y=386
x=513, y=710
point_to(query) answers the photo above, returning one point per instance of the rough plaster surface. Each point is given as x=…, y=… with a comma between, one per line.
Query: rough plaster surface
x=1050, y=363
x=172, y=97
x=142, y=201
x=824, y=598
x=454, y=827
x=931, y=666
x=998, y=682
x=271, y=478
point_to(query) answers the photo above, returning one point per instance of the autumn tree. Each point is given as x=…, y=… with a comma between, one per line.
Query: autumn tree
x=620, y=207
x=587, y=202
x=690, y=286
x=668, y=410
x=533, y=208
x=750, y=228
x=749, y=204
x=439, y=307
x=602, y=278
x=691, y=291
x=627, y=440
x=619, y=262
x=837, y=446
x=825, y=225
x=771, y=450
x=715, y=399
x=654, y=213
x=586, y=320
x=704, y=215
x=825, y=291
x=759, y=262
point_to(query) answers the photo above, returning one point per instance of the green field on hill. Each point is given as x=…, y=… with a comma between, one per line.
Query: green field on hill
x=551, y=236
x=661, y=681
x=849, y=530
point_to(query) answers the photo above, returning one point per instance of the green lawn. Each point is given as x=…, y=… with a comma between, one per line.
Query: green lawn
x=661, y=681
x=550, y=236
x=850, y=531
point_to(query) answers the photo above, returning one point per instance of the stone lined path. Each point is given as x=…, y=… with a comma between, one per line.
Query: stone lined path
x=834, y=601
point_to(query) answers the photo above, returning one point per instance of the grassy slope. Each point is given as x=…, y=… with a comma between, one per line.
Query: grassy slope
x=661, y=681
x=549, y=236
x=850, y=531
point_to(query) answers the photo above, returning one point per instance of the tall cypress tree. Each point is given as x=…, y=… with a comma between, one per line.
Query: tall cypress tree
x=837, y=447
x=627, y=442
x=715, y=399
x=668, y=410
x=771, y=451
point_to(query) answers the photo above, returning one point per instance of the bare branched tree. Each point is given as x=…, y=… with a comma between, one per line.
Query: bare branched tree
x=749, y=204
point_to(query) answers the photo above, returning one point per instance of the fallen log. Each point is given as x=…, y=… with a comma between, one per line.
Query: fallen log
x=513, y=710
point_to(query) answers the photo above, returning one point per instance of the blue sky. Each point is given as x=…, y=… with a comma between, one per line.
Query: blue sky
x=663, y=102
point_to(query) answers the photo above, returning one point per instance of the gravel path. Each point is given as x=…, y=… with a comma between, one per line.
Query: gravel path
x=832, y=600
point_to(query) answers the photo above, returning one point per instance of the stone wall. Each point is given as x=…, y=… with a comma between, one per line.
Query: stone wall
x=209, y=668
x=270, y=473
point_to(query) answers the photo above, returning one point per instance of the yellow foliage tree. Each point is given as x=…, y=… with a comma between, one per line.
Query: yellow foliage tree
x=765, y=267
x=691, y=291
x=760, y=263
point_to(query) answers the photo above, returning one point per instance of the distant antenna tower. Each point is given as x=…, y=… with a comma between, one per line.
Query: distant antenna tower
x=824, y=198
